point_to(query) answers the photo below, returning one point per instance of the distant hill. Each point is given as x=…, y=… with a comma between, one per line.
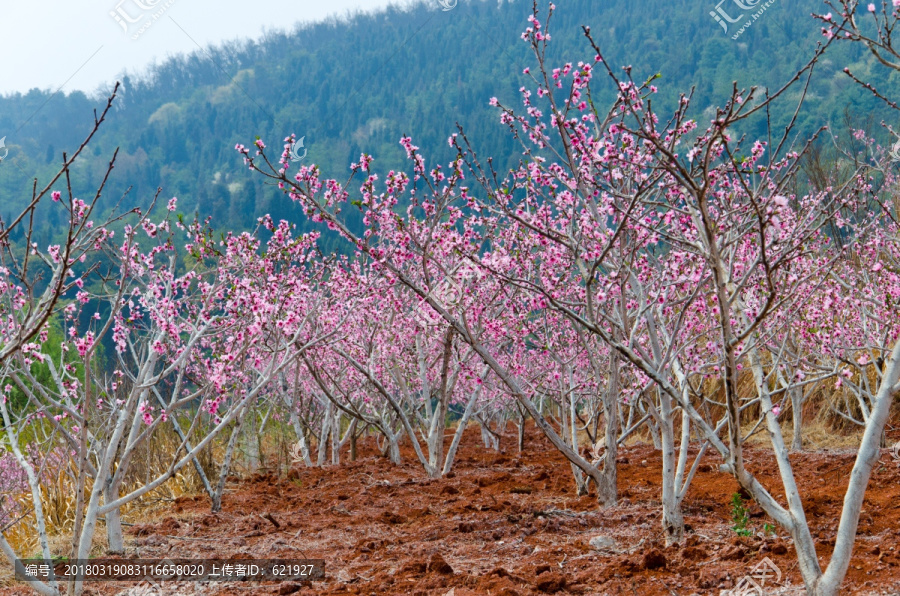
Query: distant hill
x=358, y=84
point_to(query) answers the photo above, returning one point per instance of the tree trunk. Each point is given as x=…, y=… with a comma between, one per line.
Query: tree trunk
x=672, y=517
x=607, y=488
x=868, y=455
x=336, y=438
x=460, y=429
x=251, y=443
x=654, y=433
x=392, y=449
x=581, y=481
x=114, y=536
x=488, y=438
x=226, y=463
x=300, y=431
x=521, y=438
x=349, y=435
x=438, y=425
x=322, y=447
x=797, y=411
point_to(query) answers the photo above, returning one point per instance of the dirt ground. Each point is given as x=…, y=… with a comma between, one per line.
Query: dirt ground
x=508, y=523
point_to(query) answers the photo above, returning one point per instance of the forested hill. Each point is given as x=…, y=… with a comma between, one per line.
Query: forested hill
x=359, y=83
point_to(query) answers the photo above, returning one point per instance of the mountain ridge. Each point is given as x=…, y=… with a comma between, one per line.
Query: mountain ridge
x=358, y=84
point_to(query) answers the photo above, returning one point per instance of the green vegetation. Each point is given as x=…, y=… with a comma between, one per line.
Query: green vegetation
x=740, y=515
x=359, y=83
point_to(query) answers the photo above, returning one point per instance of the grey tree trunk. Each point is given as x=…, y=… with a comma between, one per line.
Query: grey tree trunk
x=322, y=447
x=392, y=449
x=672, y=517
x=797, y=411
x=581, y=480
x=336, y=438
x=868, y=455
x=251, y=443
x=226, y=463
x=520, y=444
x=439, y=418
x=114, y=535
x=301, y=432
x=607, y=488
x=654, y=433
x=460, y=429
x=491, y=441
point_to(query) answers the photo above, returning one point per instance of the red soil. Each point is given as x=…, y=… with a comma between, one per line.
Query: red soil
x=508, y=523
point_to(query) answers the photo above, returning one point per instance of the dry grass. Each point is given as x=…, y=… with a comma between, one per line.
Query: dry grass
x=58, y=500
x=817, y=434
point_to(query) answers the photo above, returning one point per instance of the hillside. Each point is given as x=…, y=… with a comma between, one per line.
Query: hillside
x=358, y=84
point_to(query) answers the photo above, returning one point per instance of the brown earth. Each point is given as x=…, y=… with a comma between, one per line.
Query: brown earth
x=507, y=523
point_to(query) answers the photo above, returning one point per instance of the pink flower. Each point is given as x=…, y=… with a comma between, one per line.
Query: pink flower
x=871, y=8
x=146, y=412
x=55, y=195
x=776, y=410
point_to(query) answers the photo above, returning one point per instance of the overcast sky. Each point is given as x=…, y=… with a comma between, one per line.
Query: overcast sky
x=82, y=44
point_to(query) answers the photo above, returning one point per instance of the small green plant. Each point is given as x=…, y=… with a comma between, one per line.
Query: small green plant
x=768, y=529
x=298, y=482
x=740, y=515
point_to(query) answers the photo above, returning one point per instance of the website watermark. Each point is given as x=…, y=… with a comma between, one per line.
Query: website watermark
x=895, y=156
x=146, y=588
x=448, y=294
x=179, y=570
x=754, y=583
x=736, y=16
x=136, y=17
x=448, y=4
x=295, y=147
x=4, y=152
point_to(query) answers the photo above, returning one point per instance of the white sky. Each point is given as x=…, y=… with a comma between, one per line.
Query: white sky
x=78, y=44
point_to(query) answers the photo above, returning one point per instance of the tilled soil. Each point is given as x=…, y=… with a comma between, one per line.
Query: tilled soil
x=510, y=523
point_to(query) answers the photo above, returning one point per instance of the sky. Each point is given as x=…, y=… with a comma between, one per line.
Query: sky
x=86, y=44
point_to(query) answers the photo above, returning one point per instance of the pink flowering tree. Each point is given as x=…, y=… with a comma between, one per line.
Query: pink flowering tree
x=274, y=311
x=319, y=404
x=396, y=369
x=200, y=344
x=673, y=251
x=680, y=248
x=33, y=283
x=421, y=249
